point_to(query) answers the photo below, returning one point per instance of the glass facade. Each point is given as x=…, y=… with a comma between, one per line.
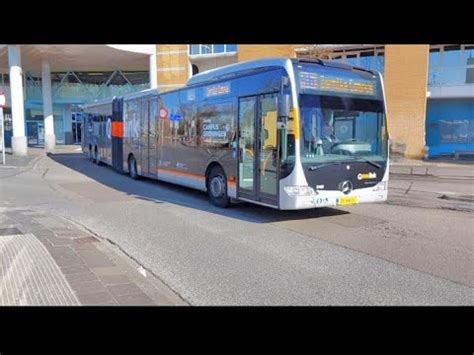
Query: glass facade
x=202, y=49
x=371, y=59
x=451, y=65
x=70, y=89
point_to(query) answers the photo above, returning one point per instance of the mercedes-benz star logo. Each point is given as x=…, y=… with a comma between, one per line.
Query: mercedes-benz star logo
x=346, y=187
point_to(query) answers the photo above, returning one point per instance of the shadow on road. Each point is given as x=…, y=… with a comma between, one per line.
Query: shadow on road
x=159, y=192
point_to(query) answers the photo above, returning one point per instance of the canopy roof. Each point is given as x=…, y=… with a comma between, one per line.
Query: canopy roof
x=81, y=57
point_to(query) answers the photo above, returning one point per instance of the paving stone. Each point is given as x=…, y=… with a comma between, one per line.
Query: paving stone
x=97, y=298
x=139, y=299
x=123, y=289
x=87, y=287
x=85, y=240
x=44, y=232
x=108, y=270
x=114, y=279
x=60, y=241
x=10, y=231
x=94, y=258
x=29, y=275
x=86, y=246
x=80, y=277
x=74, y=269
x=64, y=256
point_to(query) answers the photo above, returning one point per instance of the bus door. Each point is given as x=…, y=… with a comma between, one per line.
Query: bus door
x=153, y=137
x=144, y=137
x=258, y=154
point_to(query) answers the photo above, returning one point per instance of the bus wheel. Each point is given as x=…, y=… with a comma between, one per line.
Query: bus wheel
x=96, y=156
x=132, y=168
x=217, y=187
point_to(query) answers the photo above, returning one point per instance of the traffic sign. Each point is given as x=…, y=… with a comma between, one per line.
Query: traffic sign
x=3, y=100
x=163, y=113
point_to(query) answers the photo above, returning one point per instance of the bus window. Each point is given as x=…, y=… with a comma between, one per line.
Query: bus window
x=217, y=125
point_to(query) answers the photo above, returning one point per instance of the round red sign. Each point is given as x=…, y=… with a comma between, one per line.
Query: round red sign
x=163, y=113
x=3, y=101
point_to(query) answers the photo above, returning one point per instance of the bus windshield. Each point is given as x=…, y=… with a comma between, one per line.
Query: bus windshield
x=342, y=128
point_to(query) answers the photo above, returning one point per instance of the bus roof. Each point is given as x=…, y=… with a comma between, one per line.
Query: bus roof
x=218, y=73
x=235, y=69
x=136, y=94
x=251, y=65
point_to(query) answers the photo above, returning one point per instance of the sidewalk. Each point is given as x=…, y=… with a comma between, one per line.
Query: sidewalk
x=436, y=168
x=47, y=260
x=14, y=161
x=17, y=164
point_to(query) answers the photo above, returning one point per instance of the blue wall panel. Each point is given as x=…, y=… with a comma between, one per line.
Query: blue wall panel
x=450, y=126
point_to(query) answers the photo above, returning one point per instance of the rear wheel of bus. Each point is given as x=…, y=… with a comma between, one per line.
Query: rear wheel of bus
x=217, y=187
x=132, y=167
x=91, y=154
x=96, y=156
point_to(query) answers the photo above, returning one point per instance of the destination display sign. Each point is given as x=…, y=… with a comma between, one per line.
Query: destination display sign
x=219, y=89
x=335, y=84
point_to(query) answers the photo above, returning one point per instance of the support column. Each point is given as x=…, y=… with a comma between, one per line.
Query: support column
x=406, y=78
x=49, y=137
x=153, y=72
x=67, y=119
x=172, y=66
x=19, y=142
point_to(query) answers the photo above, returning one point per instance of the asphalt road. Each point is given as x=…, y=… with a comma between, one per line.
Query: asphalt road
x=415, y=250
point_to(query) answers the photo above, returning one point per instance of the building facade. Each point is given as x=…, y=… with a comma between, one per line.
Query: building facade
x=429, y=88
x=46, y=85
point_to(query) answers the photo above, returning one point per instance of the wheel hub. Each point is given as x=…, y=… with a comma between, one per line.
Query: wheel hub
x=217, y=186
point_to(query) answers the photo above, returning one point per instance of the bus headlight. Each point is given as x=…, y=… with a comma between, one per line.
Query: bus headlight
x=381, y=186
x=297, y=190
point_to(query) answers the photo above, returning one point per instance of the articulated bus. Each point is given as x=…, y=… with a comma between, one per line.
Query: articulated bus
x=283, y=133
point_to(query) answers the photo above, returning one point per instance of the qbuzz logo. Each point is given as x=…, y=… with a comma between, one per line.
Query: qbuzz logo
x=366, y=176
x=346, y=187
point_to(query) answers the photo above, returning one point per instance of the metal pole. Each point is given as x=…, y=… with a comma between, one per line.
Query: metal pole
x=2, y=131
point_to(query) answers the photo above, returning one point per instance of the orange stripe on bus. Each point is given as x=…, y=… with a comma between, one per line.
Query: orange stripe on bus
x=190, y=175
x=181, y=173
x=117, y=129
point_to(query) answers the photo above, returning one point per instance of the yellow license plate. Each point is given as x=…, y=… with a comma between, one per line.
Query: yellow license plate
x=348, y=200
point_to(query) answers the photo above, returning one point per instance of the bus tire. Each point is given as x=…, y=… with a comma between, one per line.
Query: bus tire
x=132, y=168
x=96, y=156
x=91, y=155
x=217, y=187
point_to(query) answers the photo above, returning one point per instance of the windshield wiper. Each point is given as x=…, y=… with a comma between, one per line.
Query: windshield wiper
x=377, y=165
x=314, y=167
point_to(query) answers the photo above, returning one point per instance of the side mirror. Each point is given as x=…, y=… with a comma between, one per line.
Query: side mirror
x=284, y=105
x=283, y=110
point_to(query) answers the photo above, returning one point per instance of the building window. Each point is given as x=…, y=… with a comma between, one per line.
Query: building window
x=4, y=79
x=352, y=59
x=451, y=65
x=203, y=49
x=219, y=48
x=194, y=49
x=372, y=59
